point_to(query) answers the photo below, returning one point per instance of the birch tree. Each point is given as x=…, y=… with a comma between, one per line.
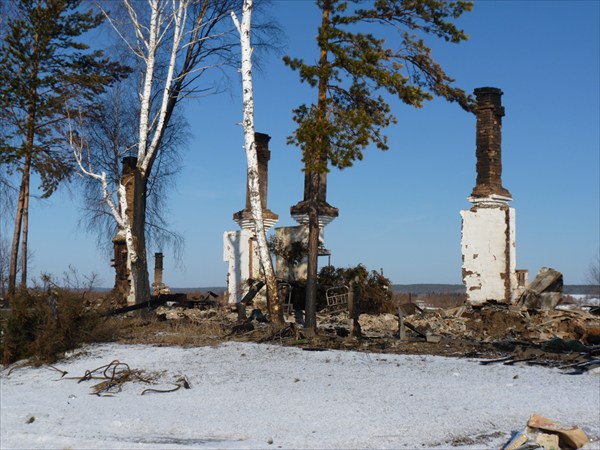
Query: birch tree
x=256, y=207
x=174, y=42
x=115, y=199
x=111, y=135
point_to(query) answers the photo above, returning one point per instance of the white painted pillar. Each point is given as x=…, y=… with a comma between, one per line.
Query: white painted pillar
x=236, y=251
x=488, y=246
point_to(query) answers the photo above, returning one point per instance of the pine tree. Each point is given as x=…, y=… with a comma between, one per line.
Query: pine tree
x=44, y=73
x=352, y=73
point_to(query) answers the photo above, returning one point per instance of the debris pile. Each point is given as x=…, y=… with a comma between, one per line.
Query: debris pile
x=493, y=322
x=541, y=432
x=529, y=330
x=195, y=315
x=545, y=292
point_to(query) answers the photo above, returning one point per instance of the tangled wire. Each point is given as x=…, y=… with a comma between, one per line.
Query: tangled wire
x=115, y=374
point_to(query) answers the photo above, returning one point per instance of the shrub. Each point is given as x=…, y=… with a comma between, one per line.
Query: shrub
x=43, y=324
x=375, y=294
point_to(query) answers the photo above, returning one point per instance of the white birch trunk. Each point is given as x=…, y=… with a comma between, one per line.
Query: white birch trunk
x=168, y=26
x=149, y=60
x=120, y=215
x=273, y=301
x=167, y=20
x=179, y=16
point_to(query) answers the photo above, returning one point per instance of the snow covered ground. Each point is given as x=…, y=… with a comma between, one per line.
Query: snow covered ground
x=247, y=395
x=588, y=300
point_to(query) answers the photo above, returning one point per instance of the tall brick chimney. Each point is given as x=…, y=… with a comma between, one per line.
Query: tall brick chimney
x=488, y=241
x=158, y=268
x=489, y=143
x=263, y=155
x=244, y=217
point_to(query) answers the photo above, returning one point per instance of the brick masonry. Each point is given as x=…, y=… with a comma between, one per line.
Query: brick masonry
x=489, y=143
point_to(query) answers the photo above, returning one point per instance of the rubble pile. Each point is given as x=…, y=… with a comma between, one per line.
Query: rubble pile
x=565, y=335
x=497, y=321
x=193, y=314
x=494, y=322
x=487, y=324
x=542, y=432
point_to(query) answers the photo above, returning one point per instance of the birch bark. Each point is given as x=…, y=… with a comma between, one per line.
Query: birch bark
x=175, y=41
x=244, y=28
x=119, y=214
x=167, y=19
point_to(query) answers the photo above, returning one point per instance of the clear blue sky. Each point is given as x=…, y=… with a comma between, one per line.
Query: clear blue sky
x=399, y=210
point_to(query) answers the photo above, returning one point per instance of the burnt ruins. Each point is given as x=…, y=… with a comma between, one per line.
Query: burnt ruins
x=488, y=228
x=244, y=217
x=489, y=144
x=239, y=247
x=120, y=258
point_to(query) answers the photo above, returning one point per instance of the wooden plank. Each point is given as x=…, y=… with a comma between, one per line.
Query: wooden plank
x=252, y=292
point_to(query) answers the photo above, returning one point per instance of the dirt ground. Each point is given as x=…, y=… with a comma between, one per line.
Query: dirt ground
x=557, y=338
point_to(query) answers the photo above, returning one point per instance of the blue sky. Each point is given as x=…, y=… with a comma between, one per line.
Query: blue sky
x=400, y=209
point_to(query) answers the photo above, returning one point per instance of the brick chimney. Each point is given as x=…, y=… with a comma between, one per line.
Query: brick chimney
x=158, y=268
x=489, y=114
x=244, y=217
x=130, y=176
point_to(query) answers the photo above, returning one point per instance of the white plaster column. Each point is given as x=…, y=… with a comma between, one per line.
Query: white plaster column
x=488, y=244
x=237, y=252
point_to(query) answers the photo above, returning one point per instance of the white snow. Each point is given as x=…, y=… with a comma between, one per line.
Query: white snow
x=247, y=395
x=588, y=300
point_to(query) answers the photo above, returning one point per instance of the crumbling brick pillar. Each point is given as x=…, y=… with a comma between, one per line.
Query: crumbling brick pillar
x=119, y=262
x=129, y=177
x=239, y=247
x=244, y=217
x=489, y=143
x=300, y=213
x=326, y=212
x=158, y=284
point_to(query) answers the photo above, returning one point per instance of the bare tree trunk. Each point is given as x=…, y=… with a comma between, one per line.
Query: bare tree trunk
x=22, y=216
x=139, y=268
x=4, y=264
x=14, y=250
x=310, y=322
x=165, y=16
x=140, y=288
x=22, y=213
x=25, y=232
x=256, y=207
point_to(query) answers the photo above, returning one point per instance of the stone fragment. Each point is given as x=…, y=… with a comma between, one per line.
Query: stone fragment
x=382, y=324
x=517, y=441
x=569, y=437
x=545, y=292
x=548, y=441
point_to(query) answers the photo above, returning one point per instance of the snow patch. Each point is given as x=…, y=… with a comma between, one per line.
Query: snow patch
x=246, y=395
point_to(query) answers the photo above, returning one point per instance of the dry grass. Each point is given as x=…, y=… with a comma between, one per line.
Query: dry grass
x=152, y=330
x=37, y=330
